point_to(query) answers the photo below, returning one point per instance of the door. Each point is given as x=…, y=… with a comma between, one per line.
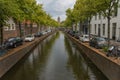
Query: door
x=99, y=30
x=114, y=31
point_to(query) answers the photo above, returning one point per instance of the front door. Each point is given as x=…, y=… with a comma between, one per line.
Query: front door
x=114, y=31
x=99, y=30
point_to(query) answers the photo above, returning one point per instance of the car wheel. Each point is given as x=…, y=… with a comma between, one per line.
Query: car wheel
x=21, y=43
x=90, y=44
x=15, y=45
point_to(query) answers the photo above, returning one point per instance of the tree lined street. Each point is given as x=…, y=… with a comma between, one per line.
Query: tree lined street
x=23, y=10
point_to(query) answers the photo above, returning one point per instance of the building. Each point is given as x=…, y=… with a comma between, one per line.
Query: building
x=99, y=26
x=27, y=29
x=10, y=29
x=58, y=19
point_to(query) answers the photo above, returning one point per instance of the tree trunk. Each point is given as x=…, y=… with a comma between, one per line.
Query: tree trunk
x=80, y=28
x=31, y=27
x=1, y=33
x=108, y=31
x=20, y=30
x=38, y=27
x=89, y=20
x=89, y=28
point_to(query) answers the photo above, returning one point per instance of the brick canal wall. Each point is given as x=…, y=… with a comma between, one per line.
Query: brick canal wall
x=107, y=66
x=13, y=56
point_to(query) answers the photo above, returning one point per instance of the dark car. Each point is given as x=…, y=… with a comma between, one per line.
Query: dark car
x=13, y=42
x=38, y=34
x=98, y=42
x=76, y=35
x=72, y=33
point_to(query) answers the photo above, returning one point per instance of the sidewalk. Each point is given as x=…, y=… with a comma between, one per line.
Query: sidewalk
x=115, y=43
x=117, y=58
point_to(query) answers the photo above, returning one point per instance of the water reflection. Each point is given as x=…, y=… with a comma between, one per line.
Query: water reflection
x=31, y=66
x=55, y=58
x=79, y=66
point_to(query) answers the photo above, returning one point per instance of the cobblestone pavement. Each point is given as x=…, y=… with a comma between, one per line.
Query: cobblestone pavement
x=112, y=42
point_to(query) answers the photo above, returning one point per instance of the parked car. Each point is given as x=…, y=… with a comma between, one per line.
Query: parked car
x=76, y=35
x=38, y=34
x=44, y=32
x=72, y=33
x=98, y=42
x=29, y=38
x=49, y=31
x=84, y=38
x=13, y=42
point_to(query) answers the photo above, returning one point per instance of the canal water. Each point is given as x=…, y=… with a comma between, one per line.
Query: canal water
x=55, y=58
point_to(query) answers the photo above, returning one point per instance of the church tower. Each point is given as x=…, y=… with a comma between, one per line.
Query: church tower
x=58, y=19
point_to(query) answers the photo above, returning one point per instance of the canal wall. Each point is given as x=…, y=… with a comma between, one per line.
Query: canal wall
x=107, y=66
x=8, y=60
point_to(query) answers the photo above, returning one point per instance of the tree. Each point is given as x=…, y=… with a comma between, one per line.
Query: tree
x=7, y=10
x=71, y=19
x=83, y=10
x=108, y=8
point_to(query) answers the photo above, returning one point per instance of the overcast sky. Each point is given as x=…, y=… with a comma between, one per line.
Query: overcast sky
x=57, y=7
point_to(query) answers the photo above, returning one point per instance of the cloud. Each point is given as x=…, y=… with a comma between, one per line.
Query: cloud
x=57, y=7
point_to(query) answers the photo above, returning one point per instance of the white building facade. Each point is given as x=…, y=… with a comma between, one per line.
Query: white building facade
x=99, y=26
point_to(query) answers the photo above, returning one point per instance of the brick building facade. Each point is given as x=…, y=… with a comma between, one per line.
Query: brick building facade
x=11, y=29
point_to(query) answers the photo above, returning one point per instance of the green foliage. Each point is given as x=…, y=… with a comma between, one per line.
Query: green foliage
x=105, y=49
x=7, y=10
x=23, y=10
x=82, y=11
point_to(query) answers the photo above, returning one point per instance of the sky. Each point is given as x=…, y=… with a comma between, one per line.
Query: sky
x=57, y=8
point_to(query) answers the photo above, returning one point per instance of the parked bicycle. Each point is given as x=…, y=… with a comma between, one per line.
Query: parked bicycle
x=113, y=51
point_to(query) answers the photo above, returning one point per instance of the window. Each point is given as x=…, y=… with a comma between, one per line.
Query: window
x=6, y=28
x=13, y=27
x=34, y=25
x=103, y=29
x=99, y=30
x=114, y=31
x=95, y=28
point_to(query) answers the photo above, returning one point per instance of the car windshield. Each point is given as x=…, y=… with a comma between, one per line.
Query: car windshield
x=17, y=37
x=11, y=39
x=29, y=36
x=101, y=39
x=86, y=37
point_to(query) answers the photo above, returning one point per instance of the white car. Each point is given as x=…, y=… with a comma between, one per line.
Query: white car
x=29, y=38
x=84, y=38
x=44, y=32
x=49, y=31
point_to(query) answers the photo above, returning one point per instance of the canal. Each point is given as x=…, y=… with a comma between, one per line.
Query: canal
x=55, y=58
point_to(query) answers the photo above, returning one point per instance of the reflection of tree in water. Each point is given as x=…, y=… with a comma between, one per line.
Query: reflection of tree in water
x=83, y=68
x=27, y=68
x=44, y=50
x=95, y=70
x=76, y=62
